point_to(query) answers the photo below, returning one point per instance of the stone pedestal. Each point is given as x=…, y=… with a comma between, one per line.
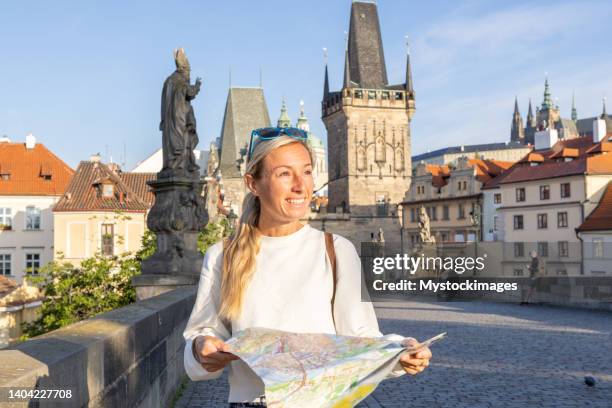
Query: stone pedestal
x=177, y=217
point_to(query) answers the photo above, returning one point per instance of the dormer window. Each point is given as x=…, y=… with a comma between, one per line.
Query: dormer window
x=108, y=190
x=45, y=171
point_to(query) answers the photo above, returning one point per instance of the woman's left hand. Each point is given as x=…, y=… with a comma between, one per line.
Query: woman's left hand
x=417, y=362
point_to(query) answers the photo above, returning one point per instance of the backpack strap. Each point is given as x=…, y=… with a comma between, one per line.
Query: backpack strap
x=331, y=253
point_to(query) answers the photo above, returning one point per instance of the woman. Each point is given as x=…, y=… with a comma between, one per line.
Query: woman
x=274, y=272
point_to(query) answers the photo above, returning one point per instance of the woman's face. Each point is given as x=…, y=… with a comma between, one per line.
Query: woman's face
x=285, y=187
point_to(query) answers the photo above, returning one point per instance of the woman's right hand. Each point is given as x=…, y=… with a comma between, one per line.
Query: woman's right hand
x=212, y=353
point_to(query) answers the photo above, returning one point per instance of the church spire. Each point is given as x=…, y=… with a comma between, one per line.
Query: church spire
x=408, y=84
x=326, y=83
x=517, y=133
x=604, y=114
x=531, y=121
x=284, y=120
x=547, y=103
x=574, y=112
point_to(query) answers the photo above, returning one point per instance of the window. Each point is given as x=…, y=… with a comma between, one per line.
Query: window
x=108, y=239
x=385, y=95
x=107, y=190
x=461, y=212
x=497, y=198
x=6, y=219
x=542, y=221
x=445, y=212
x=32, y=264
x=517, y=272
x=399, y=96
x=465, y=185
x=565, y=190
x=543, y=249
x=5, y=264
x=598, y=248
x=412, y=215
x=518, y=222
x=519, y=249
x=495, y=221
x=458, y=186
x=561, y=272
x=32, y=218
x=562, y=219
x=382, y=207
x=563, y=248
x=434, y=213
x=544, y=192
x=371, y=94
x=520, y=194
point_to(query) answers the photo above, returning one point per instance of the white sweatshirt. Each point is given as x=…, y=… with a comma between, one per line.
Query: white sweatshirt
x=291, y=290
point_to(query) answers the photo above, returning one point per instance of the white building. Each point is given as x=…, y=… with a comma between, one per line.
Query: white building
x=32, y=180
x=596, y=236
x=154, y=163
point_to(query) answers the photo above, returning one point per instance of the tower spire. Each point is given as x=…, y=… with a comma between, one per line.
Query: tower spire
x=347, y=70
x=283, y=120
x=547, y=103
x=517, y=132
x=530, y=117
x=604, y=114
x=408, y=85
x=326, y=82
x=574, y=112
x=302, y=122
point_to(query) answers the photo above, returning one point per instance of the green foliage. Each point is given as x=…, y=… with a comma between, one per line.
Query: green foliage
x=99, y=284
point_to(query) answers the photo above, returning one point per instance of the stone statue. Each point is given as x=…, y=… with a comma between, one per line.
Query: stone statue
x=178, y=124
x=424, y=228
x=381, y=235
x=179, y=212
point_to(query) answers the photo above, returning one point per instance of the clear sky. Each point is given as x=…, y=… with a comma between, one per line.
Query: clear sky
x=86, y=77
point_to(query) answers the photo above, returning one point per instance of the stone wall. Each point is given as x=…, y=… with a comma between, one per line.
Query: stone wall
x=129, y=357
x=11, y=318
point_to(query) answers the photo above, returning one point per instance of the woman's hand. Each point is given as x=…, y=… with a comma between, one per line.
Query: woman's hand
x=212, y=353
x=417, y=362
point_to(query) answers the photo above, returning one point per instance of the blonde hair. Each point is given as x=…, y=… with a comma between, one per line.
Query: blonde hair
x=241, y=248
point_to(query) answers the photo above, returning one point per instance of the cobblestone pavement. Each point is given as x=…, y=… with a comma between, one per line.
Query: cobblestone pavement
x=495, y=355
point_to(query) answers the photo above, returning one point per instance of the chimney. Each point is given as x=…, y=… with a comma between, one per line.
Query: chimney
x=545, y=139
x=95, y=158
x=599, y=130
x=30, y=141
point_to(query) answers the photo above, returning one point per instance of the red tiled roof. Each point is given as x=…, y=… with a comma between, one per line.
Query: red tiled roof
x=554, y=165
x=438, y=173
x=601, y=217
x=131, y=193
x=488, y=169
x=26, y=169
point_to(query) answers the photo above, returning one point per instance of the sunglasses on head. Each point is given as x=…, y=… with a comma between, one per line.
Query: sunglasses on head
x=270, y=133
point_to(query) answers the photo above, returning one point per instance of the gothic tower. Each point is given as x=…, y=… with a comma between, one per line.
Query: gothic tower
x=517, y=133
x=368, y=124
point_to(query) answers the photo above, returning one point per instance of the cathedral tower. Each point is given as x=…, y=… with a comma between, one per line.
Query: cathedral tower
x=517, y=134
x=368, y=124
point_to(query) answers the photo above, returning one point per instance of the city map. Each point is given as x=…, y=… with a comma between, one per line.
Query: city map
x=319, y=370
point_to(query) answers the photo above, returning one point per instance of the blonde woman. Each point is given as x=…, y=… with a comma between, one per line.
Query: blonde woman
x=274, y=272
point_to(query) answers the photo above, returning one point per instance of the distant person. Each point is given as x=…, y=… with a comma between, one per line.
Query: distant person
x=274, y=272
x=533, y=268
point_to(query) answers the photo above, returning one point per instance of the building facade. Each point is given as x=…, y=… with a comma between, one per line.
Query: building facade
x=509, y=152
x=103, y=211
x=541, y=201
x=449, y=195
x=595, y=234
x=32, y=180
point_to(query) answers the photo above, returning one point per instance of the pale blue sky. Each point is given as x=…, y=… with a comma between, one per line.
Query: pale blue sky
x=86, y=77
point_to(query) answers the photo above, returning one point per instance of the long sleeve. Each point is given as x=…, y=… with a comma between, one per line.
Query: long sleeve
x=354, y=316
x=204, y=319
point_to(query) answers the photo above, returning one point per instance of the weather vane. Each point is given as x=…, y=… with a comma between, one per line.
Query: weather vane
x=407, y=45
x=325, y=54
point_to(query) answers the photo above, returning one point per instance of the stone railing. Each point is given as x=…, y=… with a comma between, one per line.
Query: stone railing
x=128, y=357
x=11, y=318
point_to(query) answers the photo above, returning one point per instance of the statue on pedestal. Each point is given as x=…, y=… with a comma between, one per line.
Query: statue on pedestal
x=179, y=212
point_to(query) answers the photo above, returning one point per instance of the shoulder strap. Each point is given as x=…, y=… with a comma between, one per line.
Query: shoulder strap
x=331, y=253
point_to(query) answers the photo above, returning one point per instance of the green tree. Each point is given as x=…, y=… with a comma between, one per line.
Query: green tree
x=99, y=284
